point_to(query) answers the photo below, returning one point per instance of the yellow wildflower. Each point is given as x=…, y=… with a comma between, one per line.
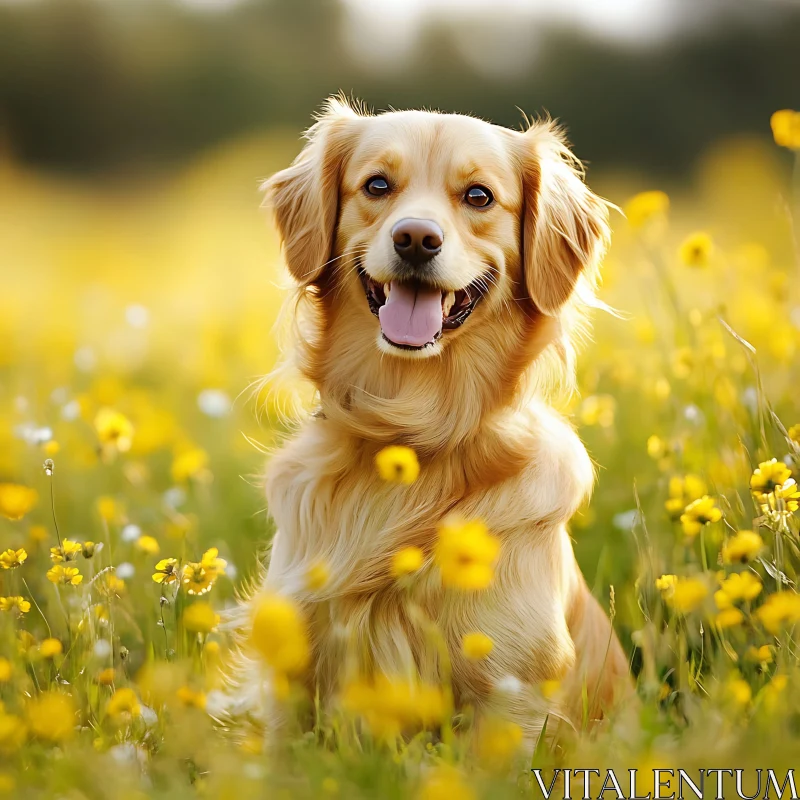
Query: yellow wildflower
x=109, y=584
x=148, y=545
x=785, y=126
x=476, y=646
x=191, y=462
x=212, y=563
x=166, y=571
x=124, y=704
x=114, y=429
x=390, y=706
x=696, y=250
x=497, y=742
x=769, y=475
x=598, y=409
x=279, y=634
x=10, y=559
x=656, y=447
x=66, y=551
x=50, y=648
x=794, y=433
x=200, y=618
x=37, y=533
x=465, y=553
x=742, y=547
x=698, y=513
x=88, y=549
x=738, y=690
x=191, y=698
x=446, y=783
x=106, y=676
x=107, y=508
x=16, y=500
x=666, y=583
x=729, y=618
x=52, y=716
x=195, y=579
x=15, y=603
x=780, y=610
x=68, y=576
x=687, y=594
x=317, y=576
x=407, y=561
x=682, y=491
x=646, y=206
x=6, y=670
x=397, y=464
x=761, y=654
x=742, y=586
x=773, y=691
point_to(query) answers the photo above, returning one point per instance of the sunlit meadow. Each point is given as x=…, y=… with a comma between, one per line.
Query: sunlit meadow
x=135, y=317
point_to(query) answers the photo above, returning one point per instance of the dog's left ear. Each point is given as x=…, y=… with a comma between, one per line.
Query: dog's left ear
x=304, y=198
x=565, y=225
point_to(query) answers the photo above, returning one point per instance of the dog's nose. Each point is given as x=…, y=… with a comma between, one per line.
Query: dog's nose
x=417, y=240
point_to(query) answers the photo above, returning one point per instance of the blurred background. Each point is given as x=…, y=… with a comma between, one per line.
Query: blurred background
x=139, y=273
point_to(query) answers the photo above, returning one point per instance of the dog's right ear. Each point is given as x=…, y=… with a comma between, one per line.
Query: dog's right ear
x=305, y=197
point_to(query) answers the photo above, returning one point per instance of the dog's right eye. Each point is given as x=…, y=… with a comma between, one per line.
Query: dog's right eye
x=376, y=186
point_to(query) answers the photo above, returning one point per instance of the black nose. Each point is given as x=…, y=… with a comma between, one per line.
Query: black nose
x=417, y=240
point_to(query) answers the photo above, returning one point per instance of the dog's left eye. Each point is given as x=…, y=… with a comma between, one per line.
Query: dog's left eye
x=478, y=196
x=376, y=186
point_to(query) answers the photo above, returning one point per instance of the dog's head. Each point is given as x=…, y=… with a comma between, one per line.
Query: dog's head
x=426, y=234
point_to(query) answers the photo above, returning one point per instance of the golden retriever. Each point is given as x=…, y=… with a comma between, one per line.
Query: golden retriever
x=443, y=266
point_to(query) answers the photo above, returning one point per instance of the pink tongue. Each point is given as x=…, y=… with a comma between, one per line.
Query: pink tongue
x=411, y=315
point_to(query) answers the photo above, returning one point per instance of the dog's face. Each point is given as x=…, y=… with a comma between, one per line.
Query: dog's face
x=429, y=227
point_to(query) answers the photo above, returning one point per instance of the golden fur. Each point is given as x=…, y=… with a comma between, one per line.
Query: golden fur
x=473, y=406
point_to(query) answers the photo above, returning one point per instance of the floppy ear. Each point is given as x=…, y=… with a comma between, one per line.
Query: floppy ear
x=565, y=225
x=304, y=198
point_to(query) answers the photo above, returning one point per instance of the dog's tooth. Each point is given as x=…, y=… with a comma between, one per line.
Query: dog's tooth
x=447, y=303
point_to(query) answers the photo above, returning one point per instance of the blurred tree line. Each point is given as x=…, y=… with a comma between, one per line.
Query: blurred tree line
x=96, y=85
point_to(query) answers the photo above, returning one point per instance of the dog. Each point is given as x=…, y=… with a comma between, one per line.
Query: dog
x=444, y=267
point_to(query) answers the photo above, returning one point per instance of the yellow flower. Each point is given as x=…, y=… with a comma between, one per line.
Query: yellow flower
x=124, y=704
x=390, y=706
x=317, y=576
x=88, y=549
x=729, y=618
x=38, y=533
x=656, y=447
x=780, y=610
x=107, y=508
x=738, y=690
x=446, y=783
x=166, y=571
x=646, y=206
x=212, y=563
x=743, y=586
x=682, y=491
x=497, y=742
x=476, y=646
x=191, y=698
x=109, y=585
x=598, y=409
x=696, y=250
x=51, y=716
x=279, y=634
x=666, y=583
x=465, y=553
x=114, y=429
x=761, y=654
x=794, y=433
x=698, y=513
x=769, y=475
x=785, y=126
x=15, y=603
x=397, y=464
x=106, y=676
x=50, y=648
x=200, y=618
x=51, y=448
x=12, y=732
x=195, y=579
x=148, y=545
x=66, y=551
x=189, y=463
x=742, y=547
x=10, y=559
x=64, y=575
x=15, y=500
x=407, y=561
x=6, y=670
x=687, y=594
x=549, y=688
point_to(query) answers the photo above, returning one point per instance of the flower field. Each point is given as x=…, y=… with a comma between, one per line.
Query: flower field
x=136, y=317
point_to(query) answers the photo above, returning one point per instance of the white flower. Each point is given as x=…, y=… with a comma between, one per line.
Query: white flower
x=125, y=570
x=137, y=316
x=214, y=402
x=510, y=684
x=131, y=533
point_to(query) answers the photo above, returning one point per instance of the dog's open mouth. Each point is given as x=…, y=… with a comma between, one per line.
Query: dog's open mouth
x=413, y=314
